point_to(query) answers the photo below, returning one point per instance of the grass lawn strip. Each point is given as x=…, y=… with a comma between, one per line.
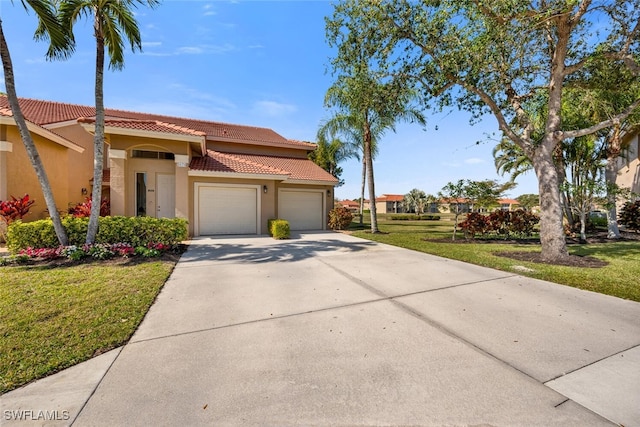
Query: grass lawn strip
x=619, y=278
x=53, y=318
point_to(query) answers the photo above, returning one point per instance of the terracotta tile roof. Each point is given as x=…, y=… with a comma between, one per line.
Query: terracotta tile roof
x=289, y=168
x=390, y=198
x=299, y=169
x=509, y=201
x=146, y=125
x=48, y=112
x=216, y=161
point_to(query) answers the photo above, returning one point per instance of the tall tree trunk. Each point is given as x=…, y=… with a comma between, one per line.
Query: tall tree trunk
x=362, y=187
x=27, y=140
x=610, y=175
x=98, y=140
x=552, y=238
x=372, y=192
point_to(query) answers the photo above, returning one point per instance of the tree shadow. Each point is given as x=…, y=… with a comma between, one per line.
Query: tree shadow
x=266, y=249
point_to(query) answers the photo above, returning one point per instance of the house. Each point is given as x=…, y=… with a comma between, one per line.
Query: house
x=351, y=205
x=629, y=164
x=508, y=204
x=389, y=203
x=224, y=178
x=464, y=205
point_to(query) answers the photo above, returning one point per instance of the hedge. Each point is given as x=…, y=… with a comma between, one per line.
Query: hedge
x=136, y=231
x=279, y=228
x=414, y=217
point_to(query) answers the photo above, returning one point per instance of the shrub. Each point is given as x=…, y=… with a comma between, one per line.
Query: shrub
x=279, y=228
x=12, y=210
x=519, y=223
x=630, y=215
x=475, y=223
x=83, y=210
x=134, y=231
x=340, y=218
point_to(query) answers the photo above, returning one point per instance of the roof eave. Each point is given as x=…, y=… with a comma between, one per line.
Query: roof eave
x=311, y=182
x=39, y=130
x=114, y=130
x=237, y=175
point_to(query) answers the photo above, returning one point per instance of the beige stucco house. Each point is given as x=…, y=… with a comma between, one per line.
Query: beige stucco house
x=223, y=178
x=629, y=164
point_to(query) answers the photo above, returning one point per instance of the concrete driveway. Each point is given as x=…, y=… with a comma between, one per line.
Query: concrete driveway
x=328, y=329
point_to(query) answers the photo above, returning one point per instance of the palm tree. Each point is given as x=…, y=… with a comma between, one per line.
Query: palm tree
x=416, y=200
x=349, y=131
x=60, y=46
x=112, y=19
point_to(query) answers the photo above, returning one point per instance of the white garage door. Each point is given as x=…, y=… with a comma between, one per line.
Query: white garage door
x=227, y=210
x=303, y=209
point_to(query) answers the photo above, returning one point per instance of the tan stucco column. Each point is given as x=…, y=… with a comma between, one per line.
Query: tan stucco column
x=118, y=169
x=5, y=147
x=182, y=186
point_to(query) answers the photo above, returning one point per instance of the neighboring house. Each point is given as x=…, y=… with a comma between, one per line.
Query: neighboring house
x=449, y=205
x=223, y=178
x=389, y=203
x=629, y=164
x=351, y=205
x=508, y=204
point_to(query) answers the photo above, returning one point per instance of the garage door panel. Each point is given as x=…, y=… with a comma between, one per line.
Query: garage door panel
x=227, y=210
x=302, y=209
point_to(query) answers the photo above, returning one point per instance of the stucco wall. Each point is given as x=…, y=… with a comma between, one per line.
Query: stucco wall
x=256, y=149
x=81, y=173
x=22, y=179
x=629, y=166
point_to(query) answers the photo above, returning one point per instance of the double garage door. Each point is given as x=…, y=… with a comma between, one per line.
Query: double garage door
x=235, y=209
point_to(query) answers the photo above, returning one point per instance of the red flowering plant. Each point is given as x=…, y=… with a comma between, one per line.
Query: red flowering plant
x=83, y=210
x=13, y=209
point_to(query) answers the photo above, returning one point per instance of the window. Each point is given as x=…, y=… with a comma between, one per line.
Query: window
x=141, y=193
x=144, y=154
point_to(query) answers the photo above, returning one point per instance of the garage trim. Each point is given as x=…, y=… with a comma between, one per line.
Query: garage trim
x=196, y=202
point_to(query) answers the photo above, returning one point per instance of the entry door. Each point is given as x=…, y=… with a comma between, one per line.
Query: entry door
x=165, y=195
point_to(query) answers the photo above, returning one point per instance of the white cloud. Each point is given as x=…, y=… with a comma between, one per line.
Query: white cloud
x=151, y=44
x=273, y=108
x=474, y=161
x=190, y=50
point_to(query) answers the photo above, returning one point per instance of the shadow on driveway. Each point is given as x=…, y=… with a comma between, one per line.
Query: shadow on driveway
x=265, y=249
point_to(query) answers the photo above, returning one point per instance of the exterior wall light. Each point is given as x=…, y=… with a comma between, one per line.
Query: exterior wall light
x=265, y=189
x=83, y=191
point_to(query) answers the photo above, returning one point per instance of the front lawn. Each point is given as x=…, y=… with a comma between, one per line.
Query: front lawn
x=619, y=278
x=55, y=317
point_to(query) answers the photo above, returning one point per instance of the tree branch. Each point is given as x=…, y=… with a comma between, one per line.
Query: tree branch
x=602, y=125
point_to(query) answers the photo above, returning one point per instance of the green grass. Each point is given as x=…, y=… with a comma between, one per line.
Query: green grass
x=53, y=318
x=619, y=278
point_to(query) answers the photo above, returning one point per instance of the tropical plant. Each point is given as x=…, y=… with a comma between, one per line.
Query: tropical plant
x=415, y=201
x=111, y=21
x=499, y=57
x=60, y=46
x=83, y=210
x=348, y=130
x=371, y=99
x=630, y=215
x=340, y=218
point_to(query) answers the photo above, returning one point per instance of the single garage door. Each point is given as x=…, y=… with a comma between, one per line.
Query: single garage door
x=303, y=209
x=227, y=210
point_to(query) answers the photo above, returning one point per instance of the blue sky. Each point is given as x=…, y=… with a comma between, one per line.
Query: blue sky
x=259, y=63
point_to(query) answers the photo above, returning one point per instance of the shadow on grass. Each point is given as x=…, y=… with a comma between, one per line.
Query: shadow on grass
x=609, y=250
